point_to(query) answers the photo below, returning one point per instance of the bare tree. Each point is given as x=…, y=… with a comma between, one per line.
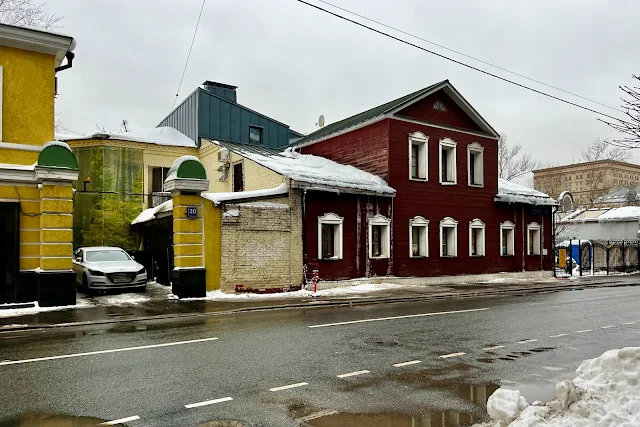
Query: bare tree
x=27, y=13
x=59, y=126
x=601, y=149
x=630, y=125
x=511, y=162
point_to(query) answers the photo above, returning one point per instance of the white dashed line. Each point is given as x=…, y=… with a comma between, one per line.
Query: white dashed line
x=115, y=350
x=352, y=374
x=629, y=323
x=583, y=331
x=495, y=347
x=446, y=356
x=120, y=421
x=527, y=341
x=412, y=362
x=607, y=327
x=378, y=319
x=287, y=387
x=208, y=402
x=558, y=336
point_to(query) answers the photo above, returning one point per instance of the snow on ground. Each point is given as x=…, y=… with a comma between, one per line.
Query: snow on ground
x=606, y=392
x=12, y=312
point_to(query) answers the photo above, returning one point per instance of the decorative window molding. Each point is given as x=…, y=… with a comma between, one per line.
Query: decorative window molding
x=507, y=238
x=418, y=237
x=447, y=172
x=475, y=165
x=330, y=236
x=418, y=157
x=448, y=237
x=476, y=238
x=533, y=239
x=379, y=237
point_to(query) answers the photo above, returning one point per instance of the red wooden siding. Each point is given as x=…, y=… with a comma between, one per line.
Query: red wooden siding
x=365, y=148
x=355, y=210
x=454, y=116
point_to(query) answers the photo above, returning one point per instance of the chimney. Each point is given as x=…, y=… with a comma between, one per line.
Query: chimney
x=222, y=90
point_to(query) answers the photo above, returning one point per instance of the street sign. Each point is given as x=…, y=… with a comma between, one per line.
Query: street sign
x=192, y=212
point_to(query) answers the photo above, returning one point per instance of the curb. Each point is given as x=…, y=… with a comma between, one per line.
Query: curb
x=332, y=303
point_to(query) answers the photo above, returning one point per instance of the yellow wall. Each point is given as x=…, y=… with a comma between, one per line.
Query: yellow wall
x=28, y=96
x=212, y=244
x=256, y=177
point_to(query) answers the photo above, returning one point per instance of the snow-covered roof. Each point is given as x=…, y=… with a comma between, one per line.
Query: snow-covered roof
x=510, y=192
x=314, y=171
x=218, y=198
x=165, y=135
x=623, y=213
x=152, y=213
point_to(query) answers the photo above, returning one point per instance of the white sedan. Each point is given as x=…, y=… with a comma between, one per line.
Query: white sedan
x=105, y=268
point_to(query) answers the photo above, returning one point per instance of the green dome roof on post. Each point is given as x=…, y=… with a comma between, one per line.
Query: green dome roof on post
x=187, y=174
x=56, y=154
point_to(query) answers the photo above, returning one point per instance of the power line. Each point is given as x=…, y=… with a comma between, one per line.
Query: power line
x=188, y=56
x=456, y=61
x=470, y=57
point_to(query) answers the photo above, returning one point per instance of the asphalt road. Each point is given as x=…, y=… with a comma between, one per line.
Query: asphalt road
x=288, y=367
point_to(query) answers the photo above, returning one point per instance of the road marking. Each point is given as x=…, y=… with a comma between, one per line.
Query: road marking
x=287, y=387
x=495, y=347
x=378, y=319
x=352, y=374
x=558, y=336
x=527, y=341
x=208, y=402
x=583, y=331
x=629, y=323
x=412, y=362
x=120, y=421
x=607, y=327
x=446, y=356
x=115, y=350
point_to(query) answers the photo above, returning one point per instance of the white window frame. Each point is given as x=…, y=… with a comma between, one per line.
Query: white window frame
x=331, y=219
x=534, y=226
x=1, y=85
x=452, y=169
x=477, y=224
x=386, y=236
x=511, y=247
x=419, y=222
x=422, y=141
x=477, y=149
x=449, y=222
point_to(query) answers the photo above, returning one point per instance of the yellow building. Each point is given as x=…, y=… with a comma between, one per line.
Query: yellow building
x=36, y=173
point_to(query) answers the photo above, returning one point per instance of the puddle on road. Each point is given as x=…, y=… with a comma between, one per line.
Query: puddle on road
x=444, y=419
x=52, y=420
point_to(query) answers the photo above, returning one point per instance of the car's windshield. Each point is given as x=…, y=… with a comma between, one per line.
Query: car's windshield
x=108, y=255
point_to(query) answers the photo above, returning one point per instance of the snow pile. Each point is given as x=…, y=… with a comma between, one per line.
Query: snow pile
x=151, y=213
x=165, y=135
x=218, y=198
x=606, y=392
x=122, y=299
x=14, y=312
x=511, y=192
x=318, y=171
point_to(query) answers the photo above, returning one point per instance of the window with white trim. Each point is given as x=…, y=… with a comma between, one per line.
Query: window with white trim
x=475, y=164
x=476, y=238
x=379, y=237
x=418, y=237
x=448, y=237
x=533, y=239
x=418, y=157
x=447, y=161
x=330, y=236
x=507, y=238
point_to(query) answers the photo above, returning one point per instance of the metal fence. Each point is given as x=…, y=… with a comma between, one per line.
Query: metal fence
x=604, y=256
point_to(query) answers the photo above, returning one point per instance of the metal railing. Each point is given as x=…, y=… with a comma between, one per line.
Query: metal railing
x=158, y=197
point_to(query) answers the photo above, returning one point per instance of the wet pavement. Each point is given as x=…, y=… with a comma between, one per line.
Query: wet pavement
x=416, y=363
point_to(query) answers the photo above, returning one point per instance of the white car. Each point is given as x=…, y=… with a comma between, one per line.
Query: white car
x=106, y=268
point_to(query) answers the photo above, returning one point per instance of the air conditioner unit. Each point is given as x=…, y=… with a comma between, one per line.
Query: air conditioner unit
x=223, y=155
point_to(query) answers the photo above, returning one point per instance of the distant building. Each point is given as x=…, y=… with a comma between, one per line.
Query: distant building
x=586, y=181
x=213, y=112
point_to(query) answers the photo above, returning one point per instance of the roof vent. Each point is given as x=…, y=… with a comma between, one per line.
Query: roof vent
x=222, y=90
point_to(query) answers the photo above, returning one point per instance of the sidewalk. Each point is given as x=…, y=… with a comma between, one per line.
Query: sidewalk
x=158, y=302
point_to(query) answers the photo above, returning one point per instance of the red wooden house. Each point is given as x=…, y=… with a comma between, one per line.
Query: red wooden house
x=450, y=214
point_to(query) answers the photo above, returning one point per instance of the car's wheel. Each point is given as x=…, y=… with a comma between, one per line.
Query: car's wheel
x=84, y=288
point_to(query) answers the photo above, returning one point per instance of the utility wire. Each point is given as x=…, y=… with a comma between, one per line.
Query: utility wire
x=470, y=57
x=456, y=61
x=188, y=56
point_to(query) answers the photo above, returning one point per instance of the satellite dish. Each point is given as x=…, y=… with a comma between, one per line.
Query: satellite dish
x=321, y=120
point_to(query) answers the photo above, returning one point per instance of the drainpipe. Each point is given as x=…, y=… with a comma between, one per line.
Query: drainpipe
x=69, y=55
x=304, y=234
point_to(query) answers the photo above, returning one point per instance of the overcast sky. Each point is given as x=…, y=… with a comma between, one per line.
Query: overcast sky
x=293, y=63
